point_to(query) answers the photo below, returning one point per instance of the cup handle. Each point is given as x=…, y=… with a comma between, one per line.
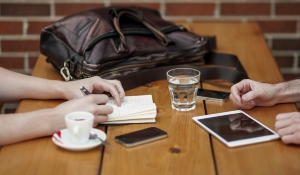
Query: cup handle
x=76, y=130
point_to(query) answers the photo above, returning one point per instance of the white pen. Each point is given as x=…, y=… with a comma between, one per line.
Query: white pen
x=84, y=91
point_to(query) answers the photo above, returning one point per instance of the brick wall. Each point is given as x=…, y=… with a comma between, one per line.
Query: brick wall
x=21, y=22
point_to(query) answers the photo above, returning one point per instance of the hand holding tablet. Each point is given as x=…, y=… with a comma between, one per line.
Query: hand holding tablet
x=235, y=128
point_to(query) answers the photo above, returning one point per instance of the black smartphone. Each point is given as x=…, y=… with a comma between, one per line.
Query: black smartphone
x=141, y=137
x=212, y=95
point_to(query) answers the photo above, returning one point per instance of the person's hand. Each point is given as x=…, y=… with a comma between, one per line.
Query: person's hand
x=287, y=125
x=95, y=85
x=248, y=93
x=94, y=103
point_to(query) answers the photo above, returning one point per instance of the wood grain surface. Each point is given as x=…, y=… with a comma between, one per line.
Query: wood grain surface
x=247, y=42
x=188, y=149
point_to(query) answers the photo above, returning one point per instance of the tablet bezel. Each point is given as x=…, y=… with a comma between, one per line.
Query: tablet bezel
x=238, y=142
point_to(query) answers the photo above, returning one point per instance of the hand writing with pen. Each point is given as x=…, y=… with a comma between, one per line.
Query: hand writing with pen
x=47, y=121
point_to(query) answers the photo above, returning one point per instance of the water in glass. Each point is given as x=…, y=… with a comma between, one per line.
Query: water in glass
x=183, y=91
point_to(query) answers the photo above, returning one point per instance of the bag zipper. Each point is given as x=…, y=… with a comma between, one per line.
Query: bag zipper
x=130, y=32
x=146, y=65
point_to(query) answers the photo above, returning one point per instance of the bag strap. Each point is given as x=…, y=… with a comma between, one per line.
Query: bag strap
x=218, y=66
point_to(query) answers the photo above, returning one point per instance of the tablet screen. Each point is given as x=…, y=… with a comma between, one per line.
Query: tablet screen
x=234, y=127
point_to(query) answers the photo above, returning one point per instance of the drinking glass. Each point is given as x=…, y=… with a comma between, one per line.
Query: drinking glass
x=183, y=86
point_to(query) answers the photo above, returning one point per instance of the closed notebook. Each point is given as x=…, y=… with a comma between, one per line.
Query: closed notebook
x=134, y=109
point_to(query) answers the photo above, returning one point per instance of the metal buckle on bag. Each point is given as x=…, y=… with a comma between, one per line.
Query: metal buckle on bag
x=65, y=72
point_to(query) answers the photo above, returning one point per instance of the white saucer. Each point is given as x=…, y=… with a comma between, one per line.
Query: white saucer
x=62, y=139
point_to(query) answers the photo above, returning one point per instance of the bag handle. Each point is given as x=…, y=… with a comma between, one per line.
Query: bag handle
x=116, y=21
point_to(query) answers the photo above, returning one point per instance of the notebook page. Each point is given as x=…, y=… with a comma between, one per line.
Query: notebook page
x=132, y=100
x=130, y=109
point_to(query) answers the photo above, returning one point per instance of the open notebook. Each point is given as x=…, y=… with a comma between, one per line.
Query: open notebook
x=134, y=109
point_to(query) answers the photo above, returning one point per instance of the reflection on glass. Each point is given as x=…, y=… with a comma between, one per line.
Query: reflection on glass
x=235, y=127
x=241, y=122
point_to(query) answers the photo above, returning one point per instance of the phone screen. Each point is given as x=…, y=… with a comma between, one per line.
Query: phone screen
x=141, y=136
x=212, y=94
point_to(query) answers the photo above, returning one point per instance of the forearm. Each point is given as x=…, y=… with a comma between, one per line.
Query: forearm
x=288, y=91
x=25, y=126
x=15, y=86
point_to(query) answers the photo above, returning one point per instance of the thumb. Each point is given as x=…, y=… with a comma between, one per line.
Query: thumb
x=249, y=96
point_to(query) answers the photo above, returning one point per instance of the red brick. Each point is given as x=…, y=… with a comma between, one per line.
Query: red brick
x=193, y=9
x=284, y=61
x=32, y=62
x=288, y=8
x=8, y=27
x=155, y=6
x=22, y=9
x=278, y=26
x=245, y=9
x=20, y=45
x=62, y=9
x=35, y=27
x=12, y=62
x=286, y=44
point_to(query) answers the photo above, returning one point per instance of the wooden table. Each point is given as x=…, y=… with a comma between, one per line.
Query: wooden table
x=188, y=149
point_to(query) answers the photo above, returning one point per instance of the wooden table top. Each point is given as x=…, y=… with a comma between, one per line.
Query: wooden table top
x=188, y=149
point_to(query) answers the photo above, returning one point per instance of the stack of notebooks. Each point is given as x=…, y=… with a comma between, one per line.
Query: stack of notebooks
x=134, y=109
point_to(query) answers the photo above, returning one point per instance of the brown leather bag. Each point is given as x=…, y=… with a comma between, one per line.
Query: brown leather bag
x=131, y=44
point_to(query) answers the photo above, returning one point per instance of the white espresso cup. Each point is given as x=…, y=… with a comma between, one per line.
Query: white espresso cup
x=79, y=125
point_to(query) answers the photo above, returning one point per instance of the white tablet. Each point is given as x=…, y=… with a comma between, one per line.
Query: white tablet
x=235, y=128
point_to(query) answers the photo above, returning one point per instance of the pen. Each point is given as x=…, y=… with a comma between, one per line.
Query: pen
x=84, y=90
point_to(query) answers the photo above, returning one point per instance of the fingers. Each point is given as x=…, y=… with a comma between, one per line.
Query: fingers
x=96, y=98
x=240, y=103
x=249, y=96
x=243, y=95
x=282, y=121
x=287, y=125
x=93, y=103
x=286, y=120
x=116, y=90
x=118, y=86
x=291, y=139
x=288, y=115
x=102, y=109
x=237, y=92
x=98, y=85
x=97, y=107
x=100, y=118
x=286, y=131
x=114, y=87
